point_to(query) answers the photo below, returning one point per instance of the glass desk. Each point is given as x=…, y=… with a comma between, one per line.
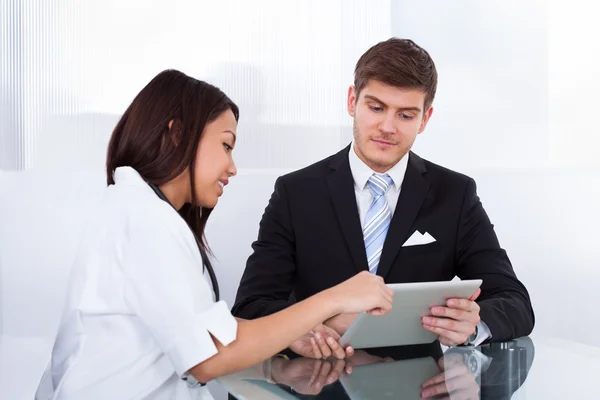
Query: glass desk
x=525, y=368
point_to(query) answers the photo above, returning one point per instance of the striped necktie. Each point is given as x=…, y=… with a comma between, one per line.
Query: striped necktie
x=377, y=220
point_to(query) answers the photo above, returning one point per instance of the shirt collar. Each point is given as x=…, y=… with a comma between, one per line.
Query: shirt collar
x=361, y=172
x=129, y=176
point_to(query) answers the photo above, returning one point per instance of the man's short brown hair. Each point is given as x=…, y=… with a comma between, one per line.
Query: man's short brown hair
x=400, y=63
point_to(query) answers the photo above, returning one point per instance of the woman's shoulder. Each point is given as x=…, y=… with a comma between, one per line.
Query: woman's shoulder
x=141, y=208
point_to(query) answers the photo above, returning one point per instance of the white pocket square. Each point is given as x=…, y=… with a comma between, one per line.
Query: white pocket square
x=418, y=238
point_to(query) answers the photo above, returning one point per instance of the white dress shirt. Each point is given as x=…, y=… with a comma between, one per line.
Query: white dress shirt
x=361, y=173
x=139, y=308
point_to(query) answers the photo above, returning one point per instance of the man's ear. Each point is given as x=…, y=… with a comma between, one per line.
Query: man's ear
x=425, y=120
x=351, y=104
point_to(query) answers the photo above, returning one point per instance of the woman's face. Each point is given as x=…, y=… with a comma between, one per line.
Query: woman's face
x=214, y=159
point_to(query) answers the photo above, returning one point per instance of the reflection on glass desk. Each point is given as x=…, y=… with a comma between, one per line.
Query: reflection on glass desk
x=494, y=371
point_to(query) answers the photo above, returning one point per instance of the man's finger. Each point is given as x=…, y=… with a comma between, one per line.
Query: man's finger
x=337, y=350
x=349, y=351
x=465, y=328
x=446, y=337
x=462, y=304
x=475, y=295
x=323, y=346
x=456, y=314
x=315, y=348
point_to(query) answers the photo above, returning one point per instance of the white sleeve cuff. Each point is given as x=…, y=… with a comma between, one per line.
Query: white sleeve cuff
x=196, y=345
x=483, y=333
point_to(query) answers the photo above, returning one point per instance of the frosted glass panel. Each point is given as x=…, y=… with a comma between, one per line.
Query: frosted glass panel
x=70, y=68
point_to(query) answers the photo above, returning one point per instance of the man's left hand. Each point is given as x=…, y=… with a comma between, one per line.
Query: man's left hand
x=321, y=342
x=456, y=322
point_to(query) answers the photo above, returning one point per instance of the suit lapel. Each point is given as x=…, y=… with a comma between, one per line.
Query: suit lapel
x=413, y=193
x=341, y=188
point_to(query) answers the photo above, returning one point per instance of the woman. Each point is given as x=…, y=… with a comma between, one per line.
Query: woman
x=140, y=320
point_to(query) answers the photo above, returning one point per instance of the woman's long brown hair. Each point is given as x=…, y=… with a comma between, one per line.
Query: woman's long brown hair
x=143, y=140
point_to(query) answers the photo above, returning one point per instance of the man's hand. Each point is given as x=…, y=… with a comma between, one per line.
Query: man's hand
x=321, y=342
x=455, y=382
x=456, y=322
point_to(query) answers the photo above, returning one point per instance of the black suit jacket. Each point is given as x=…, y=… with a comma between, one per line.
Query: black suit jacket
x=310, y=239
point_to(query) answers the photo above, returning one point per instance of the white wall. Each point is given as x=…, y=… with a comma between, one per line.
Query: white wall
x=515, y=110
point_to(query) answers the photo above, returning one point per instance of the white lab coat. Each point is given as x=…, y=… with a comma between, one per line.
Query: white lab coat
x=139, y=309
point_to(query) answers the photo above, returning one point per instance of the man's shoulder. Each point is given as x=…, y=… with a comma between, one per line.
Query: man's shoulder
x=437, y=173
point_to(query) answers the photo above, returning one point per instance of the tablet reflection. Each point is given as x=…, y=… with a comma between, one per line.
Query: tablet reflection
x=491, y=371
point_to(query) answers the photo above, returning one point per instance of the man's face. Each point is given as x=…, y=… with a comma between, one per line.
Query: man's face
x=387, y=120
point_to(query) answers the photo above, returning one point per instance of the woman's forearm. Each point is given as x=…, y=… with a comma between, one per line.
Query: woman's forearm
x=261, y=338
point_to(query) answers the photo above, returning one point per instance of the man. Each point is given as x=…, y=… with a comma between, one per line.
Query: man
x=378, y=206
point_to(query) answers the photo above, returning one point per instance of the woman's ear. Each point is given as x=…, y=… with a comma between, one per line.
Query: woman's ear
x=173, y=135
x=175, y=131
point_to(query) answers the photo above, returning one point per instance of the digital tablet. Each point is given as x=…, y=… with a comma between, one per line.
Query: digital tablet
x=402, y=325
x=394, y=380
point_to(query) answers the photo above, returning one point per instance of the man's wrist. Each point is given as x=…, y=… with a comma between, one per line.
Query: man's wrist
x=341, y=322
x=334, y=323
x=471, y=339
